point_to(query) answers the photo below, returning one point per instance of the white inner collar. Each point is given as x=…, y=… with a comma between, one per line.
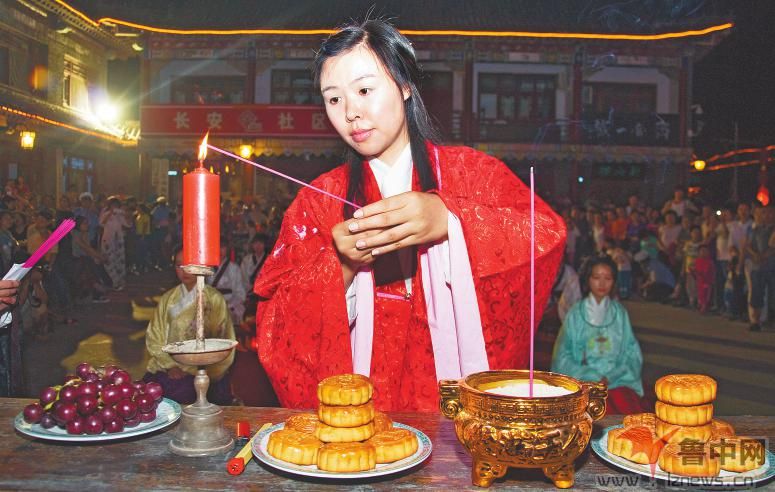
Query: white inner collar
x=394, y=179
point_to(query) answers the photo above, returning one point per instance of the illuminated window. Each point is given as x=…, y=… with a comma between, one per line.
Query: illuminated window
x=75, y=92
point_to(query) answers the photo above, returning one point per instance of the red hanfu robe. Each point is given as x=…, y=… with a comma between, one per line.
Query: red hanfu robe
x=303, y=330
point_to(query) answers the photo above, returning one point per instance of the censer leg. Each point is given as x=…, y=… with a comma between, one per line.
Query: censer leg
x=483, y=472
x=561, y=475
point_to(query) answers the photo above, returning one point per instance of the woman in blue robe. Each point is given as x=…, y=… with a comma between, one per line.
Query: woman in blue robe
x=596, y=342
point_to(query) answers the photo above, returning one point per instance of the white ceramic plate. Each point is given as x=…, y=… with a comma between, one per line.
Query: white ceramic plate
x=167, y=412
x=422, y=453
x=725, y=478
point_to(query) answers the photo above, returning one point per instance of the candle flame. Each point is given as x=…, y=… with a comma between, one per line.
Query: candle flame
x=203, y=148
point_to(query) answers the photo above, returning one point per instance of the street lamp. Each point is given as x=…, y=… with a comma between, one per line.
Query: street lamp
x=699, y=164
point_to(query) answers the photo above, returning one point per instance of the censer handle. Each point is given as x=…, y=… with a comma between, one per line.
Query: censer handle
x=598, y=393
x=449, y=389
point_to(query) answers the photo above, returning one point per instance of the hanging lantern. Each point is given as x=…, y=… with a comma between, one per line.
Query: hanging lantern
x=763, y=194
x=27, y=140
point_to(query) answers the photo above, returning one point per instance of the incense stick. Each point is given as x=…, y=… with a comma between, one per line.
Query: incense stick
x=66, y=226
x=278, y=173
x=532, y=275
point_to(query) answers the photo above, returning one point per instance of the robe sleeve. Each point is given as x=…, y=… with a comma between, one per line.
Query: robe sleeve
x=493, y=206
x=627, y=370
x=302, y=326
x=569, y=349
x=156, y=338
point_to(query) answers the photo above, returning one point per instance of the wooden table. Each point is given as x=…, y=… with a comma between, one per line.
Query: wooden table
x=145, y=462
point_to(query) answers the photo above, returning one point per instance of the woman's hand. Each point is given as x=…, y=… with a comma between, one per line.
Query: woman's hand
x=400, y=221
x=8, y=291
x=350, y=256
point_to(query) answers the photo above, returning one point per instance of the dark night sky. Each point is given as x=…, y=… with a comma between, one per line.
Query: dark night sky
x=736, y=82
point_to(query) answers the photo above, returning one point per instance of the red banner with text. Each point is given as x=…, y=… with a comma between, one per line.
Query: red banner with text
x=255, y=120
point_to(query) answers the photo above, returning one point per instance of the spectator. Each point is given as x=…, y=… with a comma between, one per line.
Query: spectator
x=173, y=321
x=723, y=255
x=8, y=244
x=669, y=234
x=113, y=222
x=691, y=251
x=705, y=275
x=679, y=204
x=88, y=210
x=619, y=226
x=760, y=247
x=596, y=342
x=633, y=205
x=659, y=281
x=251, y=263
x=230, y=282
x=89, y=261
x=598, y=232
x=143, y=230
x=160, y=221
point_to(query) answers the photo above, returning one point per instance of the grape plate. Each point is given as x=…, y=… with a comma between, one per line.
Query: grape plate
x=167, y=413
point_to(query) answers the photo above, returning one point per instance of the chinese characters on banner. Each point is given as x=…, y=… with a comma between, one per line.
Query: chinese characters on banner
x=244, y=120
x=638, y=129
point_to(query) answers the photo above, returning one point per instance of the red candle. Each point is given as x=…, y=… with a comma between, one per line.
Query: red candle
x=201, y=215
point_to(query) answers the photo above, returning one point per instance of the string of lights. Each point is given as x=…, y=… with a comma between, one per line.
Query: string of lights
x=411, y=32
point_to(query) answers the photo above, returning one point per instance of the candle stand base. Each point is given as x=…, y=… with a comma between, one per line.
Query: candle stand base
x=201, y=431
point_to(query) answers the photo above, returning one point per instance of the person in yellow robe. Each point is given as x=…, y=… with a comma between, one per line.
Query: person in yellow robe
x=175, y=320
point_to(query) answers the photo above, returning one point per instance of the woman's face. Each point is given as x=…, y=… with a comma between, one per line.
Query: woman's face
x=601, y=281
x=364, y=104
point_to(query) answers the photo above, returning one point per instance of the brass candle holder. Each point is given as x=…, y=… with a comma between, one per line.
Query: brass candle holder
x=200, y=431
x=512, y=431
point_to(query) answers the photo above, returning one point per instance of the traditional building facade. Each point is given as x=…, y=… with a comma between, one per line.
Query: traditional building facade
x=53, y=78
x=600, y=111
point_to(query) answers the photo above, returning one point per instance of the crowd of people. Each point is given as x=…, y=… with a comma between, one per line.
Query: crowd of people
x=116, y=236
x=716, y=261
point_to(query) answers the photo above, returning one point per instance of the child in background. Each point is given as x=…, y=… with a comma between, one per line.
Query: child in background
x=704, y=275
x=691, y=251
x=734, y=286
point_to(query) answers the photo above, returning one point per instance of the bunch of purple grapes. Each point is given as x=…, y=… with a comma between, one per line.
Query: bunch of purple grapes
x=95, y=401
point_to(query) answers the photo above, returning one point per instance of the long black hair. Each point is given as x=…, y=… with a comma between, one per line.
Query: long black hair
x=396, y=54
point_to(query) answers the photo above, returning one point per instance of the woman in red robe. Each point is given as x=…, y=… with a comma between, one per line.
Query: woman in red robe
x=429, y=280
